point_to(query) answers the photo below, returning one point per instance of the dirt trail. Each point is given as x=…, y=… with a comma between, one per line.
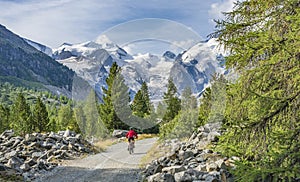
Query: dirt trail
x=115, y=164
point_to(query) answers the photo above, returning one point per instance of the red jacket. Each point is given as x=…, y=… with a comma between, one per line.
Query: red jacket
x=131, y=133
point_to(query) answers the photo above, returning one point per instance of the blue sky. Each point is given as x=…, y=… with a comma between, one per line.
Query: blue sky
x=74, y=21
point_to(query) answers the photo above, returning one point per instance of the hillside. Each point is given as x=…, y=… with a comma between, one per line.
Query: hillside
x=19, y=62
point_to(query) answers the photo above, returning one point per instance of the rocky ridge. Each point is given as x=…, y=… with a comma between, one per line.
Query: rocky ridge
x=191, y=160
x=37, y=153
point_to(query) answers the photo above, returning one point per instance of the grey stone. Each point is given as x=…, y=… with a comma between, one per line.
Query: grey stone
x=201, y=167
x=211, y=167
x=185, y=154
x=188, y=175
x=37, y=154
x=173, y=169
x=67, y=133
x=157, y=169
x=213, y=136
x=25, y=167
x=10, y=154
x=31, y=162
x=161, y=177
x=211, y=178
x=7, y=134
x=3, y=167
x=119, y=133
x=221, y=164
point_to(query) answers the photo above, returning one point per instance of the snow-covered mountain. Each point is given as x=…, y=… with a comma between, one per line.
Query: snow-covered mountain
x=192, y=68
x=40, y=47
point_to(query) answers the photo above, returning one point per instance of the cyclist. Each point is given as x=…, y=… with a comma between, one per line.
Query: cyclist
x=131, y=134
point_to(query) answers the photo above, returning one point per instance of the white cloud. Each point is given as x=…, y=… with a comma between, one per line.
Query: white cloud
x=54, y=22
x=216, y=9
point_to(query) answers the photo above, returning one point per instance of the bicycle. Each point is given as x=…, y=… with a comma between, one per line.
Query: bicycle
x=131, y=147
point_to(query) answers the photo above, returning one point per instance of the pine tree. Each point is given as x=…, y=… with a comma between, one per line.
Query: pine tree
x=161, y=110
x=141, y=105
x=108, y=114
x=263, y=104
x=188, y=101
x=53, y=118
x=21, y=120
x=40, y=116
x=65, y=116
x=172, y=101
x=4, y=118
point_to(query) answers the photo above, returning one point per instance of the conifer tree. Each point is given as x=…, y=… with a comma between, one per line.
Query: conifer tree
x=40, y=116
x=21, y=120
x=263, y=104
x=107, y=111
x=65, y=116
x=4, y=118
x=188, y=101
x=172, y=101
x=141, y=105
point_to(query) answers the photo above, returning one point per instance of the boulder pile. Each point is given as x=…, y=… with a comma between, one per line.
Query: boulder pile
x=37, y=153
x=191, y=160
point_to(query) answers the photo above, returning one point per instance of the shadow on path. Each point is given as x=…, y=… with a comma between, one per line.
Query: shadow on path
x=77, y=174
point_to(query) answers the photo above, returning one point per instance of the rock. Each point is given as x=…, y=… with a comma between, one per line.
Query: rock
x=211, y=167
x=201, y=167
x=211, y=178
x=188, y=175
x=10, y=154
x=30, y=138
x=67, y=133
x=3, y=167
x=157, y=169
x=31, y=162
x=173, y=169
x=221, y=164
x=54, y=136
x=172, y=156
x=7, y=134
x=72, y=140
x=119, y=133
x=25, y=167
x=78, y=136
x=213, y=136
x=182, y=155
x=14, y=162
x=17, y=141
x=37, y=154
x=194, y=135
x=161, y=177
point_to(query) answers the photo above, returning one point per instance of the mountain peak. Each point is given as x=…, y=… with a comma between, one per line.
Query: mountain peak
x=169, y=54
x=105, y=42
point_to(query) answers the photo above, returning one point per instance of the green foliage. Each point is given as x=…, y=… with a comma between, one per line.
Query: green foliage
x=26, y=110
x=87, y=117
x=172, y=101
x=183, y=125
x=4, y=118
x=107, y=111
x=20, y=116
x=262, y=113
x=40, y=116
x=141, y=105
x=161, y=110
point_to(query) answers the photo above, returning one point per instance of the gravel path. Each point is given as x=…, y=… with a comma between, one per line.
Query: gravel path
x=115, y=164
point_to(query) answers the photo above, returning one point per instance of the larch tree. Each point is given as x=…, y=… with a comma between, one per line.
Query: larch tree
x=172, y=101
x=262, y=113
